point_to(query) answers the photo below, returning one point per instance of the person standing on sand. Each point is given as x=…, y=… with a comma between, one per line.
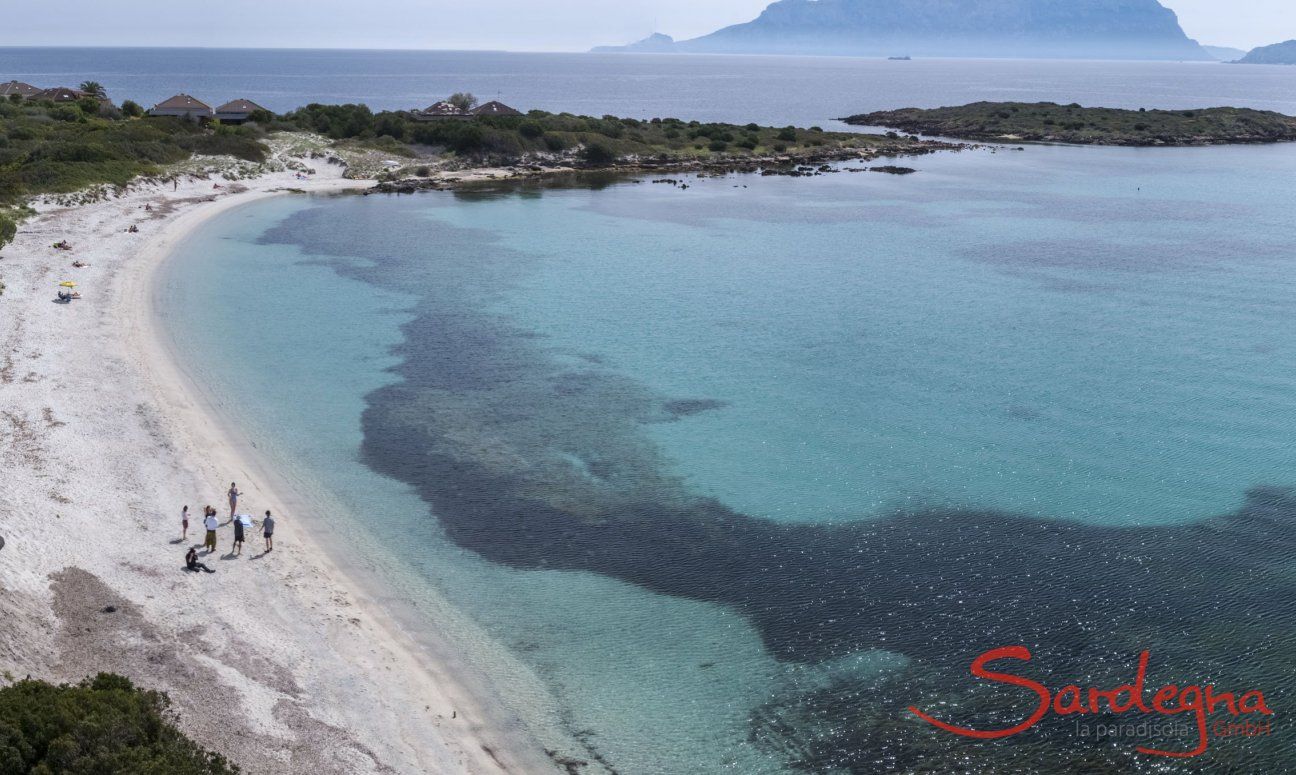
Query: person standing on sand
x=184, y=523
x=267, y=529
x=237, y=548
x=233, y=498
x=211, y=524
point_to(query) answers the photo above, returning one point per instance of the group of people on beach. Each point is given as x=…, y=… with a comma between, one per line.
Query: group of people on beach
x=211, y=524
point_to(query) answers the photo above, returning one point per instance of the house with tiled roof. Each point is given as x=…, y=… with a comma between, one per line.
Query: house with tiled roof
x=237, y=111
x=23, y=90
x=441, y=111
x=494, y=108
x=183, y=106
x=59, y=94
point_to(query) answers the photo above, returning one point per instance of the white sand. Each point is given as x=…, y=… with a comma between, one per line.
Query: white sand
x=280, y=662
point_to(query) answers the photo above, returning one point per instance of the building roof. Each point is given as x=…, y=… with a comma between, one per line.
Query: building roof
x=494, y=108
x=18, y=87
x=60, y=94
x=182, y=102
x=442, y=108
x=239, y=106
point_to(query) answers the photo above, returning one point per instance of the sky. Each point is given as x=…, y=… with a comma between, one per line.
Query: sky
x=519, y=25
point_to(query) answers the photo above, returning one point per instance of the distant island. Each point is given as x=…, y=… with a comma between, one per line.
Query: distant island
x=1081, y=29
x=1278, y=54
x=1224, y=53
x=1053, y=123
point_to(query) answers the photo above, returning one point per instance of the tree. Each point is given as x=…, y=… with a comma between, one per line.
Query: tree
x=94, y=89
x=463, y=100
x=132, y=109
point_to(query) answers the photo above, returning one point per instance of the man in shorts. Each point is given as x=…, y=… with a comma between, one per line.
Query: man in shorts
x=267, y=529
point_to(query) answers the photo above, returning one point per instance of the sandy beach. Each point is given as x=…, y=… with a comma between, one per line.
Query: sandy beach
x=279, y=661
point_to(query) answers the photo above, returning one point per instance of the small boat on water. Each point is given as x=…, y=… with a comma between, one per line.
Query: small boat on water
x=900, y=59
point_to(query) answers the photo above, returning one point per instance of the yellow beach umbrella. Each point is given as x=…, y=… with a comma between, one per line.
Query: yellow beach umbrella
x=67, y=284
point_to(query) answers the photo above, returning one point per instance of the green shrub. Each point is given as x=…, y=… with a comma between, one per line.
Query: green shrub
x=131, y=109
x=598, y=153
x=530, y=129
x=787, y=134
x=501, y=143
x=717, y=146
x=65, y=113
x=102, y=725
x=8, y=230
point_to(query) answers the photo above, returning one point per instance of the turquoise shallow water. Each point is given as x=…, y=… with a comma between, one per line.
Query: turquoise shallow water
x=736, y=473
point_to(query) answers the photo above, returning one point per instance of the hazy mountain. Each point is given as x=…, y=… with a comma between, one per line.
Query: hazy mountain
x=1224, y=53
x=1090, y=29
x=659, y=43
x=1277, y=54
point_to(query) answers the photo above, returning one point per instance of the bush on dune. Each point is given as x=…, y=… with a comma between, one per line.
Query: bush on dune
x=46, y=148
x=101, y=725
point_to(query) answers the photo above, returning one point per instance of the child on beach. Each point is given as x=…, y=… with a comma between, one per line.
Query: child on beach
x=184, y=523
x=233, y=498
x=267, y=528
x=211, y=524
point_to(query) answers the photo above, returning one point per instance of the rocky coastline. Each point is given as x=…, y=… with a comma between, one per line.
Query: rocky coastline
x=810, y=164
x=1047, y=122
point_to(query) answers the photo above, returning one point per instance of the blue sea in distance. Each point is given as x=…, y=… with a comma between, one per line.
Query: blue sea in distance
x=769, y=89
x=725, y=478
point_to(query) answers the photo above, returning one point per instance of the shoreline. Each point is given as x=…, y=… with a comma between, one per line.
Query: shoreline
x=431, y=656
x=288, y=650
x=306, y=650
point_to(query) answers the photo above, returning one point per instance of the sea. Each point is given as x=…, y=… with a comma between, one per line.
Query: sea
x=728, y=477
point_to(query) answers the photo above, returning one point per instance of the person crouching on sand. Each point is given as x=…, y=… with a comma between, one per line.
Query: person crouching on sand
x=233, y=498
x=211, y=524
x=191, y=562
x=267, y=529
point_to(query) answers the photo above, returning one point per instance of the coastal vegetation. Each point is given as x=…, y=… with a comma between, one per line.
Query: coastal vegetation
x=596, y=141
x=55, y=148
x=101, y=725
x=1050, y=122
x=8, y=229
